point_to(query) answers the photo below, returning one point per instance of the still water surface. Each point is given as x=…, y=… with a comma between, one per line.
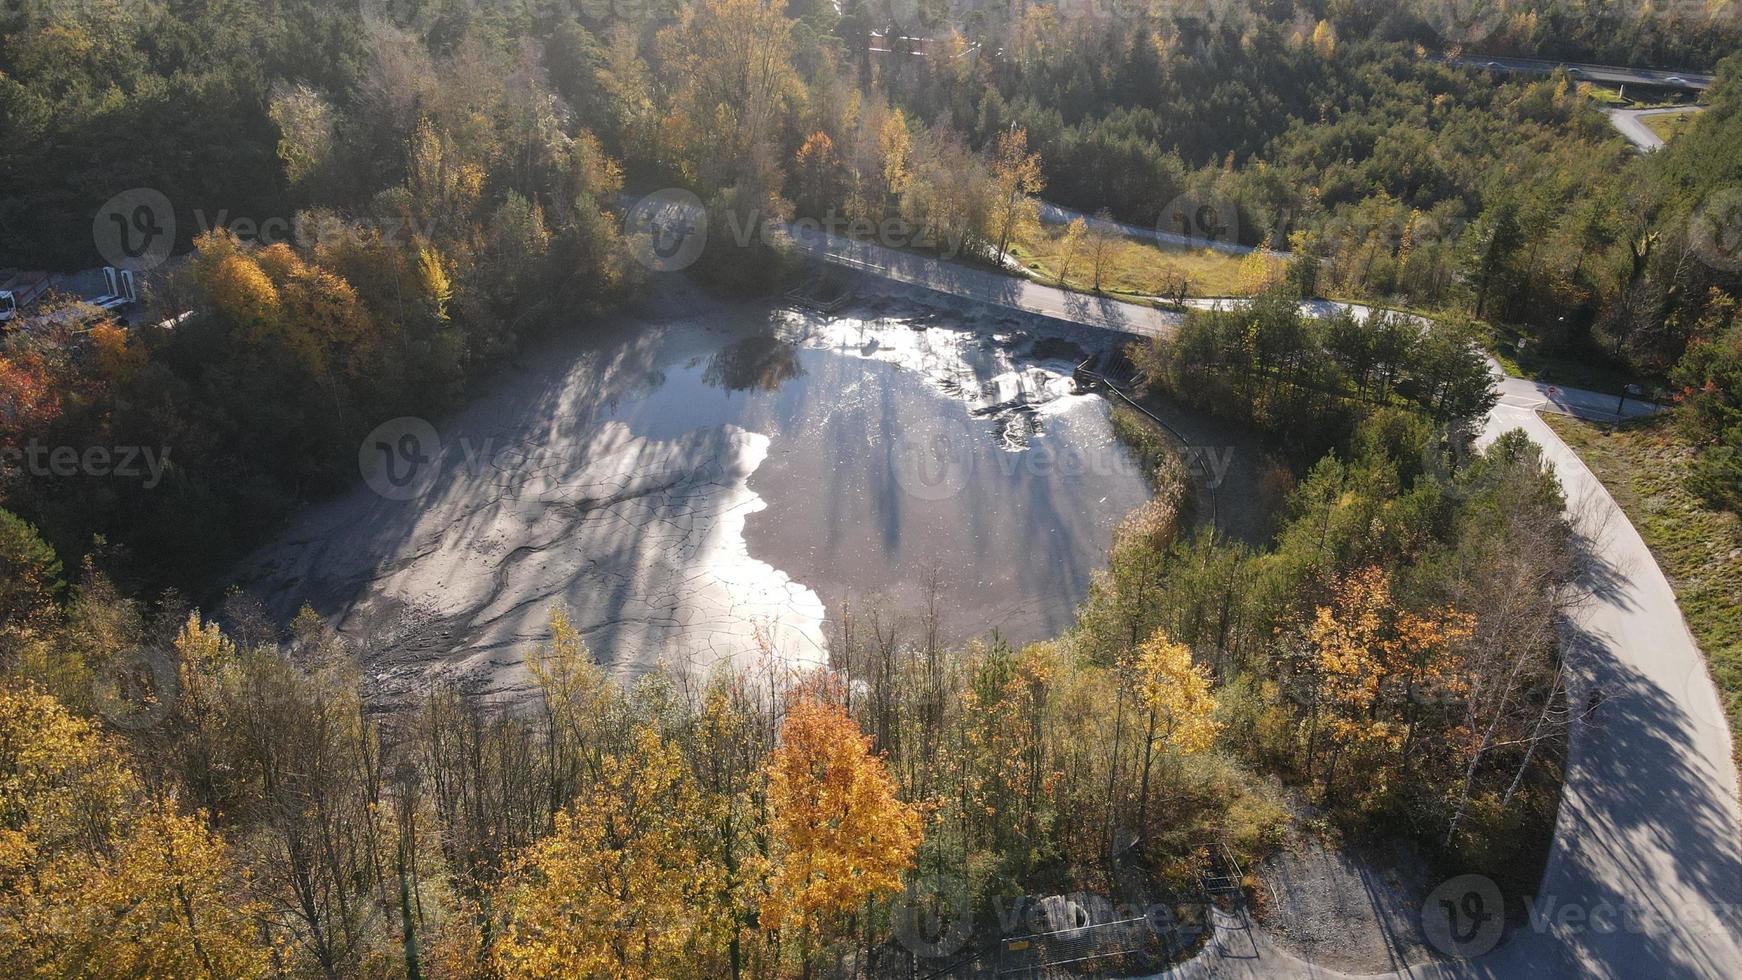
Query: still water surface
x=713, y=480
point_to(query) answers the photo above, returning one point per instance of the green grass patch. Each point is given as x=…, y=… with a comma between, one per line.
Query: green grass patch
x=1134, y=268
x=1669, y=126
x=1644, y=464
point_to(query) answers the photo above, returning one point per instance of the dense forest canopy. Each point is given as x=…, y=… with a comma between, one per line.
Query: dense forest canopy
x=447, y=173
x=377, y=205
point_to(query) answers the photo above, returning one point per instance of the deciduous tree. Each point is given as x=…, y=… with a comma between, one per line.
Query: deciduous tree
x=841, y=836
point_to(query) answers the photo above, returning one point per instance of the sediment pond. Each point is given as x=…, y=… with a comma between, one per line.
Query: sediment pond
x=712, y=480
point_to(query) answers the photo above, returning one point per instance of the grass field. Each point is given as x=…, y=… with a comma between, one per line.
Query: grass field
x=1668, y=126
x=1643, y=465
x=1134, y=268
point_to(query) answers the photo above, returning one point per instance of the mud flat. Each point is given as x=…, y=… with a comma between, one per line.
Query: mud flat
x=711, y=481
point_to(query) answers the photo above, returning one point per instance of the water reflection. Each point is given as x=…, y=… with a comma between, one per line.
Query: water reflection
x=1013, y=535
x=762, y=363
x=717, y=473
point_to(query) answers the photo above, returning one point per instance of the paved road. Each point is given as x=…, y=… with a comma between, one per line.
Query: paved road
x=1054, y=214
x=1537, y=396
x=660, y=213
x=1631, y=123
x=1684, y=81
x=986, y=286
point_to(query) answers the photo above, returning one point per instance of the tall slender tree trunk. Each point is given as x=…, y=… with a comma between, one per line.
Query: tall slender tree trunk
x=1535, y=740
x=1143, y=790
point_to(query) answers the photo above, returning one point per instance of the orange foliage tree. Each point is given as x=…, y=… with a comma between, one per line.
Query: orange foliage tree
x=1373, y=661
x=841, y=836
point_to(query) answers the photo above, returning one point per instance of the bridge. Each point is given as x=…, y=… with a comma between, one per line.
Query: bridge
x=1659, y=78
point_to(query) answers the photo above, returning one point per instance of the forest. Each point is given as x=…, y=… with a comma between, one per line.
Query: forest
x=447, y=180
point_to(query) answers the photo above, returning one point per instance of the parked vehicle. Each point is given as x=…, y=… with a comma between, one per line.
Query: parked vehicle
x=18, y=291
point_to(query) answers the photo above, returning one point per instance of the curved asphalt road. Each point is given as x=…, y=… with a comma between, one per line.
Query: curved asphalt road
x=1631, y=124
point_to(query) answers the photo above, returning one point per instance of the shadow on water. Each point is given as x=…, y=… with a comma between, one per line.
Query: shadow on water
x=762, y=363
x=473, y=556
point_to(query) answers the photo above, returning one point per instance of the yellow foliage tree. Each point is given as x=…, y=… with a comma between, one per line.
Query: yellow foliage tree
x=1324, y=38
x=622, y=887
x=93, y=883
x=239, y=289
x=117, y=360
x=732, y=60
x=1177, y=693
x=1069, y=244
x=1260, y=270
x=897, y=146
x=1016, y=178
x=841, y=835
x=815, y=163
